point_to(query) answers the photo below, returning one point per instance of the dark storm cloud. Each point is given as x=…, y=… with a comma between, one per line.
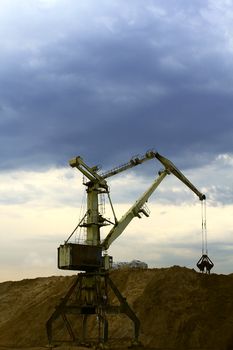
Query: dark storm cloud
x=114, y=80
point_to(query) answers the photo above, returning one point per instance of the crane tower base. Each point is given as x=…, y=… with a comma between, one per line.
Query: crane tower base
x=90, y=295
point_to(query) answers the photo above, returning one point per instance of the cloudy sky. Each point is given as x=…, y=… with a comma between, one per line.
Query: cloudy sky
x=107, y=80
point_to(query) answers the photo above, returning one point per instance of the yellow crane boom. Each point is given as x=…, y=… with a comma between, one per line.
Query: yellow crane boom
x=175, y=171
x=137, y=207
x=134, y=211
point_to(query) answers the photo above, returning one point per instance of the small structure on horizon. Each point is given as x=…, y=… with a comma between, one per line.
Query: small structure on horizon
x=134, y=264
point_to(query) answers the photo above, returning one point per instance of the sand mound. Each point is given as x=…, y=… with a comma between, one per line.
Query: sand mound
x=178, y=308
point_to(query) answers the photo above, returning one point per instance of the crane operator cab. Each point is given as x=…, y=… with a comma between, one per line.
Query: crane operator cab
x=79, y=257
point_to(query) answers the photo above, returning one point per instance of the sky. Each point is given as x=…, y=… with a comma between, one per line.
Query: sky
x=108, y=80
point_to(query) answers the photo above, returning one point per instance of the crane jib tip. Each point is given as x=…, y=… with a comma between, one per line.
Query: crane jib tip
x=203, y=197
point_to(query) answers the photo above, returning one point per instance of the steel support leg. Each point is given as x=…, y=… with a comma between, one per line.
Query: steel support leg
x=88, y=295
x=126, y=309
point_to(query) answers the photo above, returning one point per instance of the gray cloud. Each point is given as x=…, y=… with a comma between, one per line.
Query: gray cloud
x=110, y=81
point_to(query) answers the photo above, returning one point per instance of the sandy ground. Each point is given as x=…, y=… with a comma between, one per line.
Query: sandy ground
x=178, y=308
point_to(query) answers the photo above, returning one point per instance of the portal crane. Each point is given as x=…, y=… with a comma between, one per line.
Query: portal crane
x=89, y=295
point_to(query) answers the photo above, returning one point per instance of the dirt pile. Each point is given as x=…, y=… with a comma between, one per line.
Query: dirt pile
x=178, y=308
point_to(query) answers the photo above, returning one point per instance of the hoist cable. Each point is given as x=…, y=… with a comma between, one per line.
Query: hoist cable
x=204, y=228
x=206, y=250
x=75, y=228
x=82, y=211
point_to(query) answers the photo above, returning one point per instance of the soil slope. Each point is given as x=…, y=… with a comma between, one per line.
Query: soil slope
x=178, y=308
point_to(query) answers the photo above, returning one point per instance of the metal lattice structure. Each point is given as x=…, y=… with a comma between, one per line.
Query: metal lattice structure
x=89, y=294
